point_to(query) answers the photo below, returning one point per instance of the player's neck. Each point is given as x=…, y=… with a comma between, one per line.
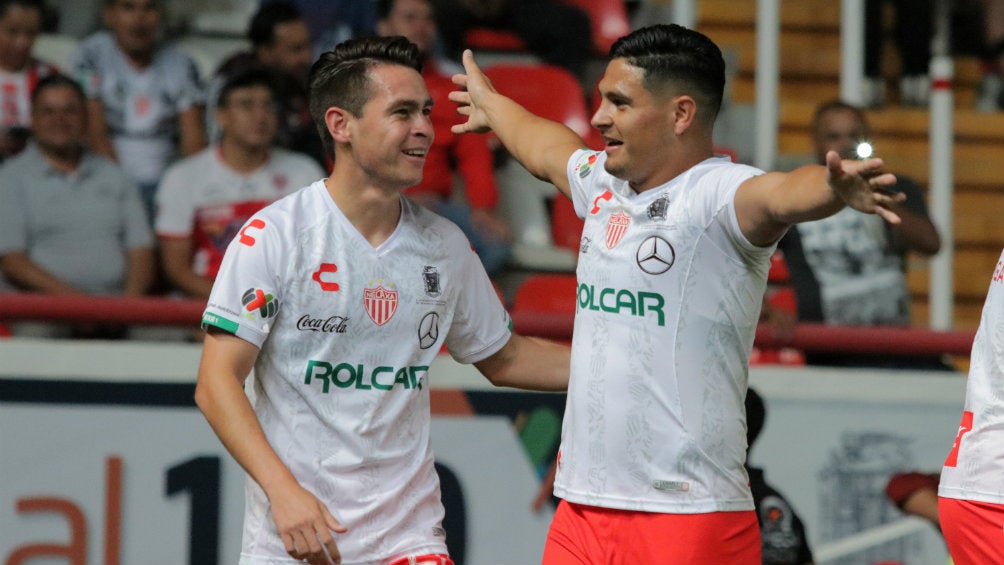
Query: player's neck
x=245, y=160
x=373, y=211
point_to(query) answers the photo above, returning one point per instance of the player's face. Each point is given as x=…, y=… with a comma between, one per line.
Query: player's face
x=18, y=29
x=290, y=50
x=838, y=130
x=634, y=124
x=414, y=20
x=249, y=118
x=392, y=136
x=58, y=119
x=134, y=24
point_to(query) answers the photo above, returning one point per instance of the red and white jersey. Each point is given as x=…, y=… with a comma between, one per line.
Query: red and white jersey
x=974, y=469
x=15, y=93
x=669, y=292
x=347, y=333
x=202, y=198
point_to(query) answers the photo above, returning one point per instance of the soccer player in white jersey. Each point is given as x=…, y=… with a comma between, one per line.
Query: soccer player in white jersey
x=971, y=492
x=204, y=199
x=672, y=266
x=340, y=296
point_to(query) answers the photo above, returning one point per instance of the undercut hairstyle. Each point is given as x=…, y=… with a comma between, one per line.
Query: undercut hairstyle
x=255, y=76
x=841, y=106
x=261, y=31
x=56, y=81
x=340, y=78
x=676, y=61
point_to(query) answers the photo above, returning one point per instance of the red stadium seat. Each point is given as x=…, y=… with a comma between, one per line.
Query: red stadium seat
x=566, y=226
x=546, y=90
x=778, y=273
x=489, y=39
x=546, y=294
x=608, y=19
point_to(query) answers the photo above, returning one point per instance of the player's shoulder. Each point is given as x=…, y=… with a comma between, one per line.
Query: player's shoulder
x=430, y=225
x=94, y=49
x=297, y=211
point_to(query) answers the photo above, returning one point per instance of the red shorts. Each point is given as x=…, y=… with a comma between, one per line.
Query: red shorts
x=974, y=531
x=582, y=535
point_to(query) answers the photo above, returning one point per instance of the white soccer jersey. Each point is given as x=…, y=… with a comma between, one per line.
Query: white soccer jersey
x=669, y=292
x=347, y=333
x=141, y=105
x=974, y=469
x=202, y=198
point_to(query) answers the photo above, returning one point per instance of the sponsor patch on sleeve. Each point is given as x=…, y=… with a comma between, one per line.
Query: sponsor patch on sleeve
x=209, y=319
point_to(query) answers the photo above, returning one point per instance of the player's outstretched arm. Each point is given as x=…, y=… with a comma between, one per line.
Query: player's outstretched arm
x=541, y=145
x=303, y=521
x=767, y=205
x=529, y=363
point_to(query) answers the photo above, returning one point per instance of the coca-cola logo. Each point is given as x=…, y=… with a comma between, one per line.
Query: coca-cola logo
x=333, y=324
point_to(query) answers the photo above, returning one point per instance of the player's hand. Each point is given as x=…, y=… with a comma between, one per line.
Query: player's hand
x=305, y=526
x=474, y=87
x=864, y=185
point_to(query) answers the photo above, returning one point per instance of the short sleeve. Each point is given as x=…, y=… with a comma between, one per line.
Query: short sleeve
x=247, y=293
x=175, y=211
x=190, y=91
x=584, y=169
x=481, y=325
x=137, y=227
x=13, y=232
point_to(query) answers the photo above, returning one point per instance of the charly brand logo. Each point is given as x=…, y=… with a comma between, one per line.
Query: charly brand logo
x=430, y=276
x=655, y=255
x=325, y=268
x=331, y=324
x=657, y=209
x=607, y=195
x=256, y=299
x=428, y=330
x=380, y=303
x=617, y=226
x=254, y=224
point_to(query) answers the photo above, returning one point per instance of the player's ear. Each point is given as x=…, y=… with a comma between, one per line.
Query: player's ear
x=337, y=120
x=684, y=113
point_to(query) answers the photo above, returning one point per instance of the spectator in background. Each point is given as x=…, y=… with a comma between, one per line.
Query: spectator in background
x=849, y=268
x=205, y=199
x=280, y=42
x=782, y=534
x=556, y=32
x=467, y=155
x=20, y=22
x=71, y=221
x=145, y=97
x=912, y=32
x=990, y=95
x=334, y=21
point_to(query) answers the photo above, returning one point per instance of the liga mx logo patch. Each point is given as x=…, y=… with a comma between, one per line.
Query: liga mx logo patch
x=617, y=226
x=380, y=304
x=256, y=299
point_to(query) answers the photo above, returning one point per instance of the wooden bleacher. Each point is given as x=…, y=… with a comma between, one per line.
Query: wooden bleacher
x=810, y=65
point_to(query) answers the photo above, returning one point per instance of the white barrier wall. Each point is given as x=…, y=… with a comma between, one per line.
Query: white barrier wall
x=105, y=460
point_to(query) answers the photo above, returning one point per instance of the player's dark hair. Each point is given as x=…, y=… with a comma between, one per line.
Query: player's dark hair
x=54, y=81
x=677, y=60
x=254, y=76
x=756, y=413
x=261, y=31
x=340, y=77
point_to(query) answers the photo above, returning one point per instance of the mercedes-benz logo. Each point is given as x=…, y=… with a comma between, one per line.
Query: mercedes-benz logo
x=655, y=255
x=428, y=330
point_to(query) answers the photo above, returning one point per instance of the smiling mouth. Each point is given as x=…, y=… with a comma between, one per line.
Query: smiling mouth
x=416, y=152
